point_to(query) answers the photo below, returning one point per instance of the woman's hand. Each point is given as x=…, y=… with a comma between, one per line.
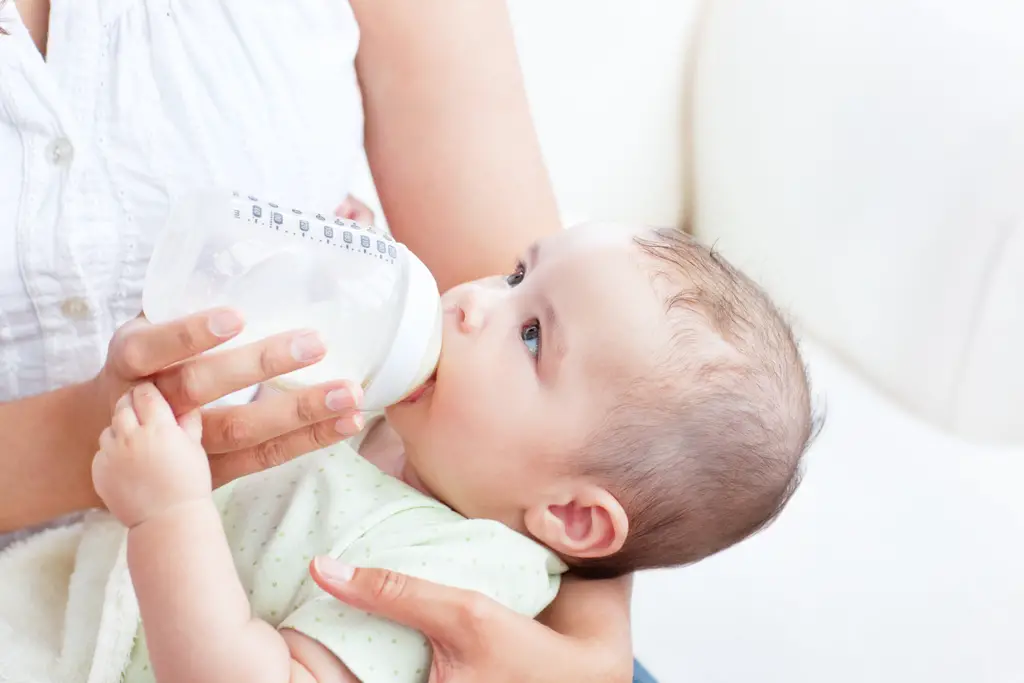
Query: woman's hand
x=49, y=439
x=354, y=210
x=242, y=439
x=476, y=640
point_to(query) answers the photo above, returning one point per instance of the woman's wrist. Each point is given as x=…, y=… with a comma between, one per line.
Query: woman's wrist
x=594, y=615
x=89, y=406
x=90, y=402
x=587, y=609
x=46, y=460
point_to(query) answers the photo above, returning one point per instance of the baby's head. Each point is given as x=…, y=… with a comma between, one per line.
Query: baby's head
x=625, y=397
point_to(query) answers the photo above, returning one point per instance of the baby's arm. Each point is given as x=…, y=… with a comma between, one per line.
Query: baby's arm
x=153, y=475
x=195, y=612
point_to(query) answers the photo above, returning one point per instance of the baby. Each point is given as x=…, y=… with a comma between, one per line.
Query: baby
x=624, y=399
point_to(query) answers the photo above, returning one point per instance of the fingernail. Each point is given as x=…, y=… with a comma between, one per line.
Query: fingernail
x=339, y=399
x=225, y=323
x=332, y=569
x=307, y=347
x=125, y=401
x=346, y=425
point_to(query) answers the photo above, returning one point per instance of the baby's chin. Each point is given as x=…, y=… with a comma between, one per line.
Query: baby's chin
x=401, y=415
x=408, y=421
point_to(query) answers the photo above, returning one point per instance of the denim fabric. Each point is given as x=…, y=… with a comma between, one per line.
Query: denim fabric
x=640, y=674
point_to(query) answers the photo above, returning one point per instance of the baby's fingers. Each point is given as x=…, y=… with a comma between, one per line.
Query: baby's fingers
x=192, y=424
x=150, y=405
x=107, y=440
x=124, y=420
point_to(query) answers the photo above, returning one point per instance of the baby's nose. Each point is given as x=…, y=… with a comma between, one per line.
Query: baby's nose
x=470, y=316
x=471, y=309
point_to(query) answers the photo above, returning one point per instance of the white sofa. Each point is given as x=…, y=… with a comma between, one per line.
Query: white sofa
x=864, y=159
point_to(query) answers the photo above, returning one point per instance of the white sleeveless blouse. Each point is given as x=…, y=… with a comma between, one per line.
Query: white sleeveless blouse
x=138, y=101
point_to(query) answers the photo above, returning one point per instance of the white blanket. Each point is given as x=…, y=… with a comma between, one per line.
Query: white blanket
x=68, y=613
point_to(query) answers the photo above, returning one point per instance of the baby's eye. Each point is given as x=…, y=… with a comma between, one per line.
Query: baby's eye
x=517, y=276
x=531, y=337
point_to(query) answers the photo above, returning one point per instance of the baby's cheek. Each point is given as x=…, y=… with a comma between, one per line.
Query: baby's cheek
x=464, y=429
x=461, y=397
x=480, y=404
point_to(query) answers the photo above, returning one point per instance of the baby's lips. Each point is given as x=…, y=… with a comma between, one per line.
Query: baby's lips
x=418, y=392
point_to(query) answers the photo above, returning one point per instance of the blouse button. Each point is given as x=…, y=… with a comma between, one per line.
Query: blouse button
x=75, y=308
x=60, y=151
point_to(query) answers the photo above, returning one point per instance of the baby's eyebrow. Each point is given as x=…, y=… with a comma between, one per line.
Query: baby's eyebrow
x=533, y=254
x=554, y=336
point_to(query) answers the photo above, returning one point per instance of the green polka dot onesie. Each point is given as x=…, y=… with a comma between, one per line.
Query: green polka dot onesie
x=334, y=502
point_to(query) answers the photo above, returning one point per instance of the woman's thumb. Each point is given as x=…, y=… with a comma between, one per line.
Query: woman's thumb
x=437, y=611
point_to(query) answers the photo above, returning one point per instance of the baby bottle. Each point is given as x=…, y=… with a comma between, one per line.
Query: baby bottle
x=375, y=305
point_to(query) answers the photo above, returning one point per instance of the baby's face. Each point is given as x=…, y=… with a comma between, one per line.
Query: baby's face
x=530, y=366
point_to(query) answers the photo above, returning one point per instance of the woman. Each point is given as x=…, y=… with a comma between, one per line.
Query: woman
x=110, y=109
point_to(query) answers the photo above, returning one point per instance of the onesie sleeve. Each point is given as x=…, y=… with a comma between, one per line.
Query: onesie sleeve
x=435, y=544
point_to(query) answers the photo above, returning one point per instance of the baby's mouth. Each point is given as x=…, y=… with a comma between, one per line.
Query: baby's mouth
x=418, y=393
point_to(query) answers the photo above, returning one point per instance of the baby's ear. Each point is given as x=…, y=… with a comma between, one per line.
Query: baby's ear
x=586, y=522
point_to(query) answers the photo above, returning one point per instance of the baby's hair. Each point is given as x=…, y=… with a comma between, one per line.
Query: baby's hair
x=3, y=31
x=705, y=450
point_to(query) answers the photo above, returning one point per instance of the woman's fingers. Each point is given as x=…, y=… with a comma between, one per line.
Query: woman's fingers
x=200, y=380
x=455, y=617
x=140, y=349
x=355, y=210
x=229, y=466
x=277, y=413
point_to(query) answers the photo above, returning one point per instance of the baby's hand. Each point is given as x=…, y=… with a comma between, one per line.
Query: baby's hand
x=149, y=461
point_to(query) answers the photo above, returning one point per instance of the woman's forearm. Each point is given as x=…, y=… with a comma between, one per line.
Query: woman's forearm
x=449, y=137
x=46, y=448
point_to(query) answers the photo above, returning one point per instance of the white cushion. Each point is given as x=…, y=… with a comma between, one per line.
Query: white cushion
x=865, y=160
x=605, y=81
x=899, y=559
